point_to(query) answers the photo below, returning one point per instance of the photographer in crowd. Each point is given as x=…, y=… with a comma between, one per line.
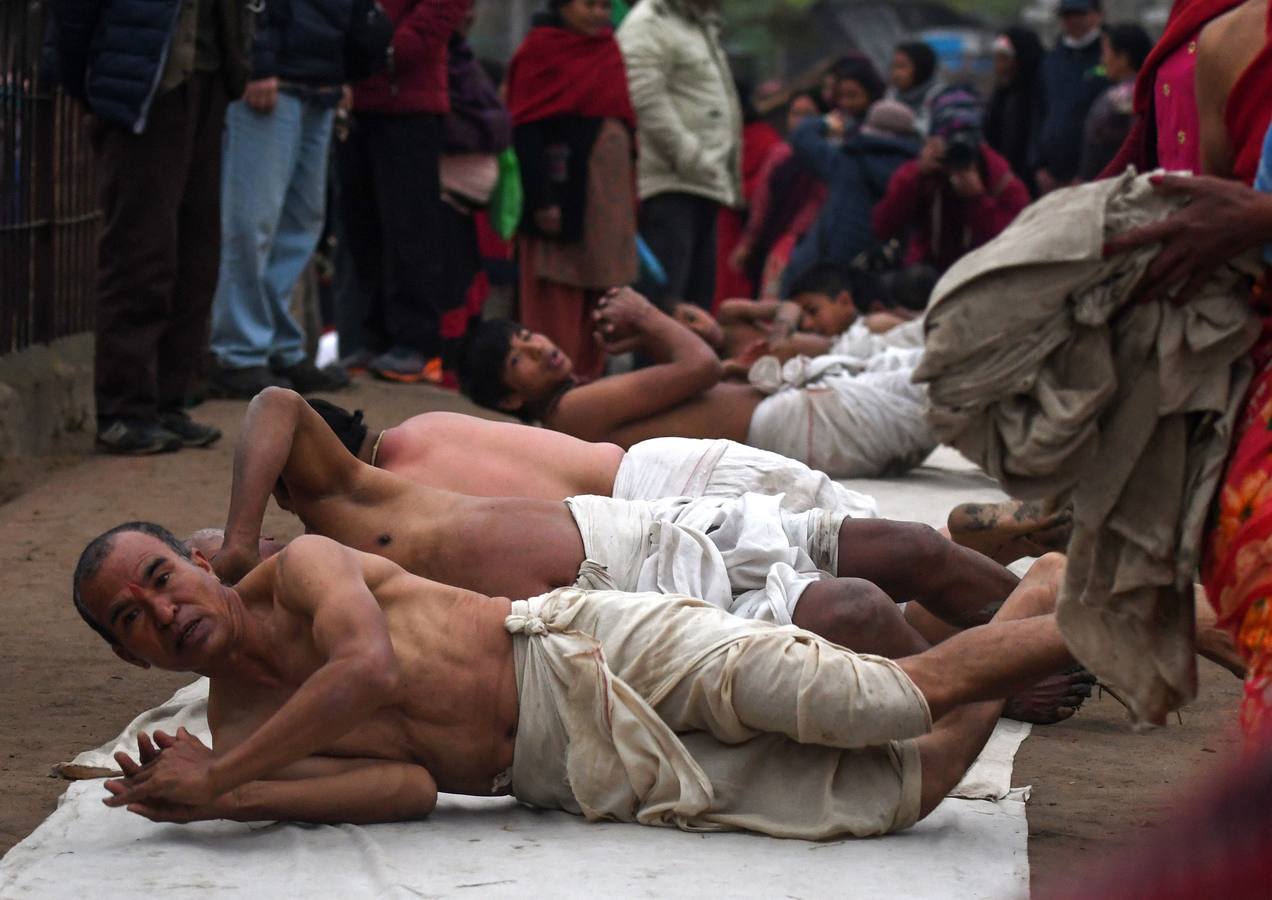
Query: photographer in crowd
x=957, y=195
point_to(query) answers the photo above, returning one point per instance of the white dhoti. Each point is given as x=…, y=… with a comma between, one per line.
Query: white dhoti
x=847, y=417
x=667, y=711
x=745, y=555
x=685, y=467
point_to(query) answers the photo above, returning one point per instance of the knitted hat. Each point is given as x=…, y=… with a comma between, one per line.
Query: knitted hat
x=957, y=110
x=890, y=118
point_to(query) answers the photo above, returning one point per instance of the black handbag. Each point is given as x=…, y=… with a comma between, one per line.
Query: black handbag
x=368, y=42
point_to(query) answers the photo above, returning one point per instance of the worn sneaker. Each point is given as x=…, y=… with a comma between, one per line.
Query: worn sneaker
x=136, y=437
x=244, y=384
x=191, y=433
x=408, y=366
x=356, y=363
x=306, y=378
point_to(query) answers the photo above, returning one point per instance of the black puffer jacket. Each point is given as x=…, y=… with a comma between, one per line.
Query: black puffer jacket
x=111, y=53
x=302, y=41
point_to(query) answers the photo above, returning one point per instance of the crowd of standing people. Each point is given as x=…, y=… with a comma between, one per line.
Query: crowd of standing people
x=379, y=142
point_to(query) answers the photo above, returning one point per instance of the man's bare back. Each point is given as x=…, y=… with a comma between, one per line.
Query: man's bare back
x=440, y=635
x=484, y=458
x=511, y=547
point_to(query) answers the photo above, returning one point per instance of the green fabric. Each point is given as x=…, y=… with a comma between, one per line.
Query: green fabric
x=507, y=198
x=619, y=11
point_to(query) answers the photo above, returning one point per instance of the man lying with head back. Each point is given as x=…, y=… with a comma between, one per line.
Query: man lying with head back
x=344, y=689
x=826, y=413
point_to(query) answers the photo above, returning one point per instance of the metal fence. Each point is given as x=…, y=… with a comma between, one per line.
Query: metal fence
x=48, y=201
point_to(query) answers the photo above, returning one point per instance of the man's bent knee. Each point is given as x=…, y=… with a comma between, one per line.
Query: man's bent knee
x=856, y=614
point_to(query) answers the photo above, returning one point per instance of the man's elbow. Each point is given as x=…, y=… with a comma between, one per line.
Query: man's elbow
x=709, y=369
x=274, y=397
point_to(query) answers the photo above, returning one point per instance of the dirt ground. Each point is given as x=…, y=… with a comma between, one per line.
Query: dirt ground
x=1096, y=784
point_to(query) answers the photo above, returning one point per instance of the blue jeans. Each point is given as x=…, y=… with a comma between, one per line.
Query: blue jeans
x=273, y=192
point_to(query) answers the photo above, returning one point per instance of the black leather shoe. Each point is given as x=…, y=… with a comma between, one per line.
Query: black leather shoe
x=244, y=384
x=136, y=437
x=306, y=378
x=188, y=431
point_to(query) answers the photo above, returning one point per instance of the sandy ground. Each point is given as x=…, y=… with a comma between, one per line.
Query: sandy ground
x=1096, y=784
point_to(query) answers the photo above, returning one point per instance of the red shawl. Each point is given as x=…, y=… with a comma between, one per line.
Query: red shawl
x=1249, y=111
x=557, y=72
x=1186, y=19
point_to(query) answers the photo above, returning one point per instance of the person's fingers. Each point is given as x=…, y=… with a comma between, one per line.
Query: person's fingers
x=1174, y=184
x=164, y=740
x=126, y=764
x=146, y=751
x=157, y=813
x=1192, y=287
x=1158, y=232
x=1179, y=268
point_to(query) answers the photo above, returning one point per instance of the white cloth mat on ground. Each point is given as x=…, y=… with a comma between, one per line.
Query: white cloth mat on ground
x=476, y=847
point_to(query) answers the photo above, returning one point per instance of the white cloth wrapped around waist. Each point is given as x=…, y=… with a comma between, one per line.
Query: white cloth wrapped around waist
x=667, y=711
x=745, y=554
x=688, y=467
x=848, y=417
x=859, y=341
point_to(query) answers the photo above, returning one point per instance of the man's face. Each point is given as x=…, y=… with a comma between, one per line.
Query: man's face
x=901, y=71
x=800, y=109
x=1079, y=24
x=534, y=369
x=851, y=98
x=701, y=323
x=825, y=315
x=164, y=610
x=587, y=17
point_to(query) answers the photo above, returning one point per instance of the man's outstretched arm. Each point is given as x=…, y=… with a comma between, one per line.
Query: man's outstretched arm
x=283, y=439
x=321, y=789
x=684, y=367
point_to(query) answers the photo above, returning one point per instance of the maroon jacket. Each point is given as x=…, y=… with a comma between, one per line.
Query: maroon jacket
x=416, y=81
x=944, y=225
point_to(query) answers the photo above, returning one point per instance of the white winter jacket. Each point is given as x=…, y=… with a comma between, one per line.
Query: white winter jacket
x=687, y=113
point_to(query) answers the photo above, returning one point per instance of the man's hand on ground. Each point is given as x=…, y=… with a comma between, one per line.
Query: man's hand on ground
x=1223, y=218
x=621, y=318
x=170, y=782
x=261, y=95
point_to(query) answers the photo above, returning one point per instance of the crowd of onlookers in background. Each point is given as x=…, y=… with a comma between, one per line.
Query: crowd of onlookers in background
x=230, y=151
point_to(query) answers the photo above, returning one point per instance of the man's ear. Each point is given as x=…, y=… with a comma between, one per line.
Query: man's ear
x=845, y=297
x=197, y=557
x=129, y=658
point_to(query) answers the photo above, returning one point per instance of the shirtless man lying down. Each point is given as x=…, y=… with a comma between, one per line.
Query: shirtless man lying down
x=744, y=554
x=486, y=458
x=844, y=423
x=344, y=689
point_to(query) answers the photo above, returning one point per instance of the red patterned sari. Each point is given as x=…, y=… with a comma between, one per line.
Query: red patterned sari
x=1237, y=566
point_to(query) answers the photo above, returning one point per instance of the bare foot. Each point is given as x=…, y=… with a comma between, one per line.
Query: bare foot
x=1053, y=699
x=1007, y=531
x=1215, y=643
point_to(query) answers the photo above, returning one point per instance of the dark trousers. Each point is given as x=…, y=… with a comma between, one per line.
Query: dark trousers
x=391, y=219
x=680, y=229
x=160, y=248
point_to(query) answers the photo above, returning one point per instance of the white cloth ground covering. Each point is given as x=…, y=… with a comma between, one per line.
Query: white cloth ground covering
x=473, y=847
